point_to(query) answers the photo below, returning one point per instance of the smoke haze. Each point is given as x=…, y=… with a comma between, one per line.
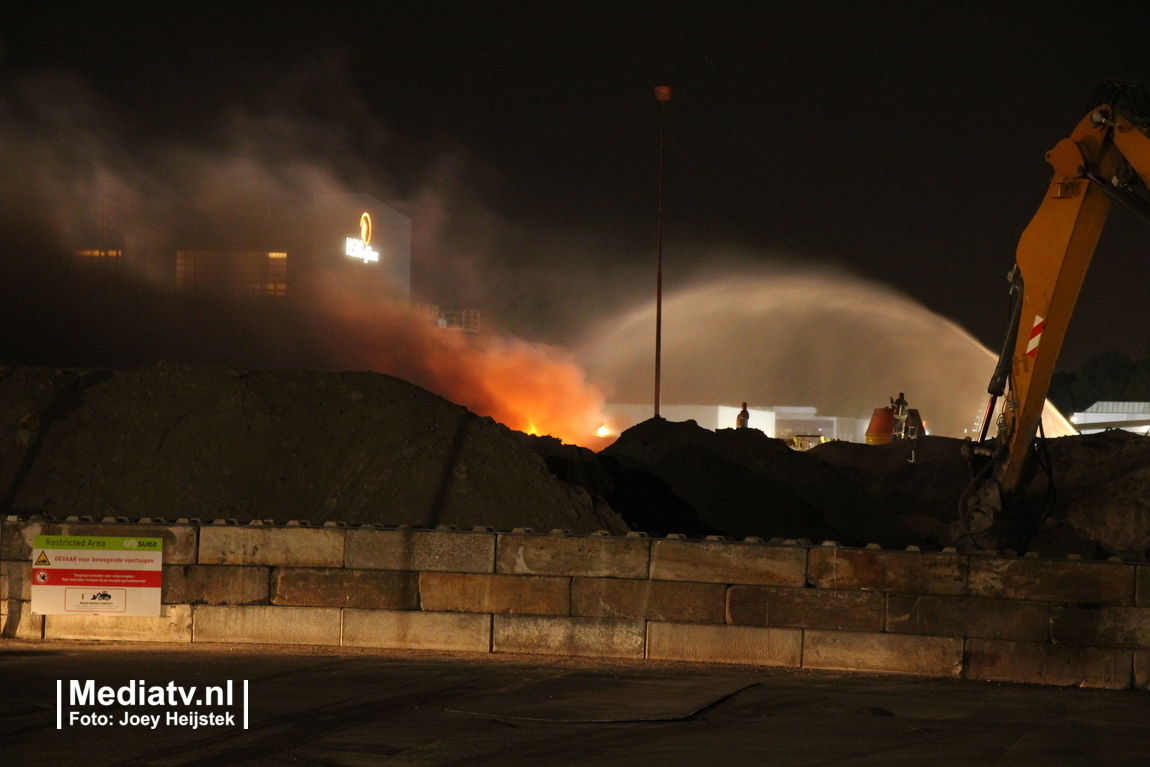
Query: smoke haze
x=74, y=173
x=74, y=169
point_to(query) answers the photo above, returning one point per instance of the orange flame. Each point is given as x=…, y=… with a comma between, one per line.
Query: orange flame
x=530, y=387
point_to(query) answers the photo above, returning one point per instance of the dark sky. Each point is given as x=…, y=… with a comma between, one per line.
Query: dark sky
x=901, y=141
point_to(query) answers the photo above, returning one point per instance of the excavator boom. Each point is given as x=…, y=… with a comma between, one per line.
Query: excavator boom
x=1106, y=157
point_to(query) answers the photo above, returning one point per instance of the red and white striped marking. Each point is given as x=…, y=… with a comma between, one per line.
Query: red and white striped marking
x=1035, y=336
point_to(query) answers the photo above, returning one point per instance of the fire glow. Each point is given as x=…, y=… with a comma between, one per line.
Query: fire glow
x=530, y=387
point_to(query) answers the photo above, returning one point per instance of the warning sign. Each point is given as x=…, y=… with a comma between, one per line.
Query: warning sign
x=96, y=575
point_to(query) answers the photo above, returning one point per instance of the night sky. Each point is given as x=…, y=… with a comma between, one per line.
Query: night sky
x=902, y=142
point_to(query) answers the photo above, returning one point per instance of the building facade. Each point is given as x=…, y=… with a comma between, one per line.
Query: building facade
x=270, y=249
x=1101, y=416
x=780, y=422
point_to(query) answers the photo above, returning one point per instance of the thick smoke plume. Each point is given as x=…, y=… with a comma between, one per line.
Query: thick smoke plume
x=75, y=171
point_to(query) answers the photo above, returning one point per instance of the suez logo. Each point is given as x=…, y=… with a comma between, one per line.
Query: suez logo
x=85, y=699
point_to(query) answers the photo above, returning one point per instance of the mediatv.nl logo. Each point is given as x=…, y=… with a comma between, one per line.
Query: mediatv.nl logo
x=138, y=704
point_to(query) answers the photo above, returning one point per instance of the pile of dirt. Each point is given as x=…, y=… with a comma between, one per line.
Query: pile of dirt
x=177, y=441
x=1100, y=504
x=665, y=477
x=1102, y=489
x=923, y=493
x=679, y=477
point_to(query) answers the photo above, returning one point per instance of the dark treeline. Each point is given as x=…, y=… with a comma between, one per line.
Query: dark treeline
x=1111, y=376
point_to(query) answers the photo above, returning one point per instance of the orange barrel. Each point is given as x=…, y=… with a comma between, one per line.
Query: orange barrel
x=881, y=426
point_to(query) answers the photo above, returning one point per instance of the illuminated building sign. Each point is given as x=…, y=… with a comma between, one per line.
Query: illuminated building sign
x=361, y=248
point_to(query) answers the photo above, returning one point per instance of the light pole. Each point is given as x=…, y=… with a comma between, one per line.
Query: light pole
x=662, y=95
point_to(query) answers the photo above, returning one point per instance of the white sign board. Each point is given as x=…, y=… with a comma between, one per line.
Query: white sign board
x=97, y=575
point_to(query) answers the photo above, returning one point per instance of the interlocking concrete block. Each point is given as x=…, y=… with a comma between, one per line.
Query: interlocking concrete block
x=174, y=624
x=450, y=632
x=887, y=653
x=724, y=644
x=214, y=585
x=979, y=617
x=1142, y=589
x=485, y=593
x=900, y=571
x=16, y=538
x=726, y=562
x=274, y=546
x=265, y=624
x=672, y=601
x=18, y=622
x=591, y=557
x=12, y=543
x=805, y=608
x=1053, y=580
x=1142, y=669
x=424, y=550
x=337, y=587
x=1041, y=663
x=16, y=580
x=586, y=637
x=1127, y=627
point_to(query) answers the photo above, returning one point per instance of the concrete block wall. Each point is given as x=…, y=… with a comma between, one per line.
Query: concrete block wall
x=776, y=603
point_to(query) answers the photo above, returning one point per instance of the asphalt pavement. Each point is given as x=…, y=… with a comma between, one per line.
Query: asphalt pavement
x=348, y=708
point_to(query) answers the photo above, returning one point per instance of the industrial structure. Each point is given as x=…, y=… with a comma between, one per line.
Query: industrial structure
x=1101, y=416
x=274, y=251
x=1105, y=159
x=780, y=422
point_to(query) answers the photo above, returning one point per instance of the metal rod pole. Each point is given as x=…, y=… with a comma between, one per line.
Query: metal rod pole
x=663, y=94
x=986, y=417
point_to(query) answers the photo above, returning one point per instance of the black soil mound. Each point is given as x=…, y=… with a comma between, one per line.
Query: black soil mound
x=1099, y=503
x=176, y=441
x=1102, y=489
x=923, y=493
x=677, y=477
x=680, y=478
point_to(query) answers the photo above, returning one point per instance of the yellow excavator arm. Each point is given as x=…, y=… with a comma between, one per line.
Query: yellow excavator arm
x=1106, y=157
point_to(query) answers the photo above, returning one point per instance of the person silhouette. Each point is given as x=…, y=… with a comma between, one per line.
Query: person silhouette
x=900, y=414
x=743, y=418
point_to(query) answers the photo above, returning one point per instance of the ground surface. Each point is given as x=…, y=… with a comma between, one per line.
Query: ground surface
x=353, y=708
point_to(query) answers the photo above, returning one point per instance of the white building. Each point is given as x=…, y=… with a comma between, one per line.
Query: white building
x=1130, y=416
x=780, y=422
